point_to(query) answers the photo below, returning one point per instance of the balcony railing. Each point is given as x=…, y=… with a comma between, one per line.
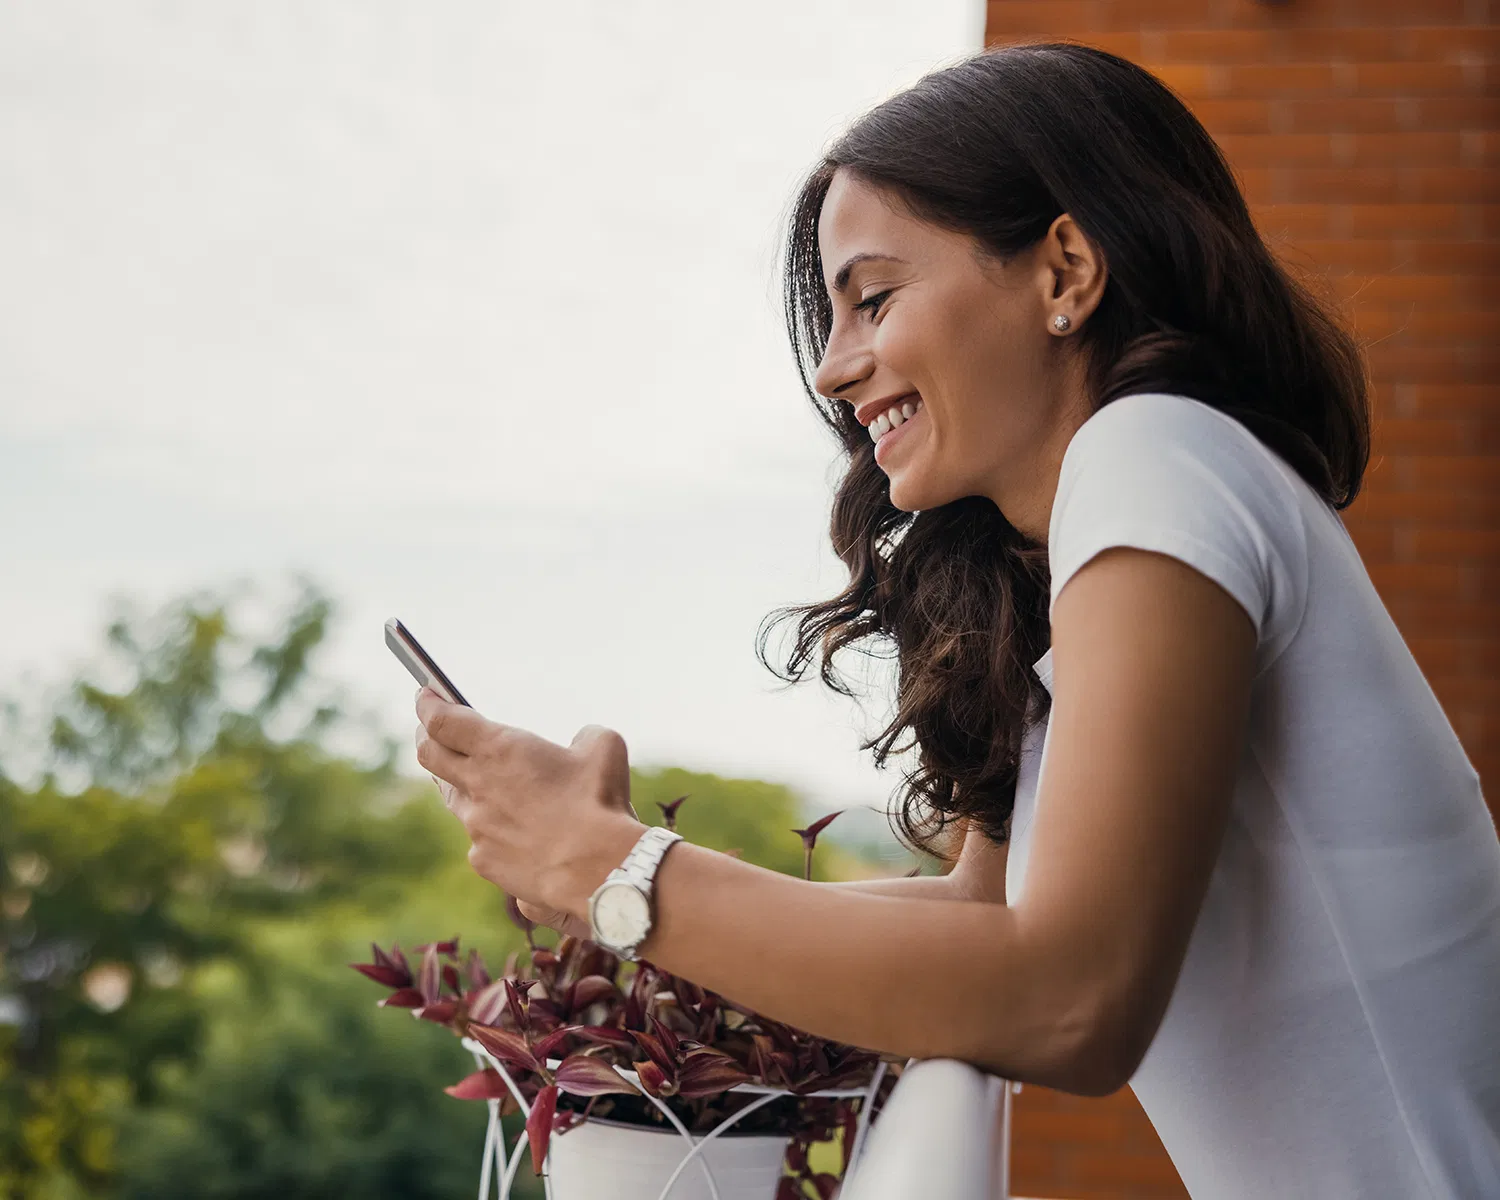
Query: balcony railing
x=943, y=1134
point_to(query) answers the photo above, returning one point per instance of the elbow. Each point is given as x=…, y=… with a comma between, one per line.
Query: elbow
x=1100, y=1050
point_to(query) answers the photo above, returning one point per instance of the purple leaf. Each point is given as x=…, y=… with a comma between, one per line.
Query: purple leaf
x=486, y=1005
x=380, y=973
x=809, y=835
x=669, y=1040
x=827, y=1185
x=653, y=1079
x=404, y=998
x=539, y=1125
x=669, y=811
x=474, y=968
x=707, y=1072
x=482, y=1085
x=543, y=1049
x=510, y=1048
x=450, y=977
x=849, y=1120
x=585, y=1075
x=429, y=978
x=605, y=1035
x=442, y=1012
x=591, y=988
x=515, y=1004
x=655, y=1051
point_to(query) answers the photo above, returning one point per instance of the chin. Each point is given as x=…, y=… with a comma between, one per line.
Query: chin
x=911, y=493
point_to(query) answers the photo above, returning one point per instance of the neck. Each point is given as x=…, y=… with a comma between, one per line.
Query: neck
x=1026, y=496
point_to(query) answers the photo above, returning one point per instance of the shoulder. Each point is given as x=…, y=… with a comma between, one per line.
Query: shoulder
x=1170, y=474
x=1158, y=426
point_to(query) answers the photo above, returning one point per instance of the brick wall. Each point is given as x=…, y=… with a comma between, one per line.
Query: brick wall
x=1366, y=135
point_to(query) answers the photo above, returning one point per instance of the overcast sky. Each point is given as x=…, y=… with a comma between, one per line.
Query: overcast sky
x=468, y=310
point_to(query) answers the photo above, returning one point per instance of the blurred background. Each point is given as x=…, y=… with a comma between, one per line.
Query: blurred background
x=313, y=314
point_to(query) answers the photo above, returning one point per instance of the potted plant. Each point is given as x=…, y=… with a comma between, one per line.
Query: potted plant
x=635, y=1081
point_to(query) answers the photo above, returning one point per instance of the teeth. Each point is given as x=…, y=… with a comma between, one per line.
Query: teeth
x=897, y=414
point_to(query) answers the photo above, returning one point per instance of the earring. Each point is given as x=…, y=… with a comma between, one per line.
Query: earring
x=1061, y=323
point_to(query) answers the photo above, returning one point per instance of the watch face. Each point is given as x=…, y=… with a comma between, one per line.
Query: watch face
x=622, y=916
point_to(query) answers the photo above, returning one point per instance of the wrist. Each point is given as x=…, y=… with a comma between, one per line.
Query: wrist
x=610, y=841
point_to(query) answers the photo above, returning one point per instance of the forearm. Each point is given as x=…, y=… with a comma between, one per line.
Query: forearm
x=944, y=978
x=924, y=887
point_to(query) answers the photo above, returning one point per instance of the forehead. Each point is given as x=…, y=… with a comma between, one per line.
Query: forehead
x=858, y=218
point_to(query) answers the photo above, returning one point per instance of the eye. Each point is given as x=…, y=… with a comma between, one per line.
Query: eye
x=872, y=305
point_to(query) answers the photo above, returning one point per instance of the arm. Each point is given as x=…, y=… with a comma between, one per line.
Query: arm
x=1152, y=669
x=979, y=874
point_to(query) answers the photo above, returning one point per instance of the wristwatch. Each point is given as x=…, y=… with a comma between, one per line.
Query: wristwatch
x=620, y=908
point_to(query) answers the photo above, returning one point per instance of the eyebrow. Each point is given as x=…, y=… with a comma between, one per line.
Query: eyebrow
x=841, y=280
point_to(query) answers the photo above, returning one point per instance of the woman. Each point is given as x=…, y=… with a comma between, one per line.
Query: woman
x=1220, y=841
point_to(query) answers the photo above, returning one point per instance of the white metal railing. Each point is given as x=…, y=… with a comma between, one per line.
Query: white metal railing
x=943, y=1134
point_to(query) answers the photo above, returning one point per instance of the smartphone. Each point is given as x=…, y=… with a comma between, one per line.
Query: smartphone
x=419, y=662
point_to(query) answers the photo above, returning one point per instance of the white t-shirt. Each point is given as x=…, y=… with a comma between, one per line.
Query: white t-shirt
x=1335, y=1031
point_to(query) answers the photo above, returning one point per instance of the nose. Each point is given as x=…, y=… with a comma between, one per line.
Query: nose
x=845, y=365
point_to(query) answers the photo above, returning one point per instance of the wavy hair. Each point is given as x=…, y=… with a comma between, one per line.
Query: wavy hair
x=997, y=146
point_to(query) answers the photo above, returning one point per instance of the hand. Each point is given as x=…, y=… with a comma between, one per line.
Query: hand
x=546, y=822
x=555, y=918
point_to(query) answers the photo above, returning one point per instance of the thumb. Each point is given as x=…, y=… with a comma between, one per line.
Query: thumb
x=605, y=752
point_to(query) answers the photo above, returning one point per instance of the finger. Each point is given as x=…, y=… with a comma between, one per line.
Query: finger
x=455, y=726
x=437, y=759
x=555, y=918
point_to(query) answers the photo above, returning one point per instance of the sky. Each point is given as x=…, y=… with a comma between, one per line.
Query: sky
x=467, y=311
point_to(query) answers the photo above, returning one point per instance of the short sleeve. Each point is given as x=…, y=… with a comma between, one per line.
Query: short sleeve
x=1171, y=475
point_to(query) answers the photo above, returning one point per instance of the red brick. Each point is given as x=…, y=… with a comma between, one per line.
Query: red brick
x=1431, y=364
x=1366, y=134
x=1404, y=256
x=1438, y=400
x=1347, y=13
x=1414, y=78
x=1369, y=185
x=1383, y=114
x=1008, y=19
x=1436, y=326
x=1234, y=115
x=1359, y=149
x=1427, y=543
x=1434, y=435
x=1452, y=509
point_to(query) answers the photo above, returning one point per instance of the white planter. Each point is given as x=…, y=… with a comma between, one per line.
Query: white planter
x=599, y=1159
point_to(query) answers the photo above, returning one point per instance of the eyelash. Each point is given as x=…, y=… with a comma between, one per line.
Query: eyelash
x=872, y=304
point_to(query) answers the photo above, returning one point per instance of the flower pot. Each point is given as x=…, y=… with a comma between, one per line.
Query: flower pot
x=629, y=1162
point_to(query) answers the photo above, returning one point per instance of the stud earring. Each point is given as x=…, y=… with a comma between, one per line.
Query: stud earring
x=1061, y=323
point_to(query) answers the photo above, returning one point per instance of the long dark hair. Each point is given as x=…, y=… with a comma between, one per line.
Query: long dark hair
x=997, y=146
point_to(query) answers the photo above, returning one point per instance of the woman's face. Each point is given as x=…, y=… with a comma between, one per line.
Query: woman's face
x=924, y=319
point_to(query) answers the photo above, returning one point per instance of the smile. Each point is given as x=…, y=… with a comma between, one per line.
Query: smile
x=894, y=417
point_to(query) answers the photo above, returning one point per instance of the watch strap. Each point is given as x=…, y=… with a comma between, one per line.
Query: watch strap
x=645, y=856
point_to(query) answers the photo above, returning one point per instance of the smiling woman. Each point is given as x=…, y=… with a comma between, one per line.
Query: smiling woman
x=1219, y=839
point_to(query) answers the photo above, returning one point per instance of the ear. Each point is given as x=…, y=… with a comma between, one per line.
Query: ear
x=1075, y=274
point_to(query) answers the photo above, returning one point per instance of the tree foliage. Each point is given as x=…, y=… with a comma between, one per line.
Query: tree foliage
x=187, y=864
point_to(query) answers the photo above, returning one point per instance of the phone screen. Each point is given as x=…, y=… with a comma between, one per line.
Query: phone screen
x=416, y=660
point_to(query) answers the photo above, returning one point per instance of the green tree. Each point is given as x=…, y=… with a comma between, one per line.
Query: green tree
x=186, y=868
